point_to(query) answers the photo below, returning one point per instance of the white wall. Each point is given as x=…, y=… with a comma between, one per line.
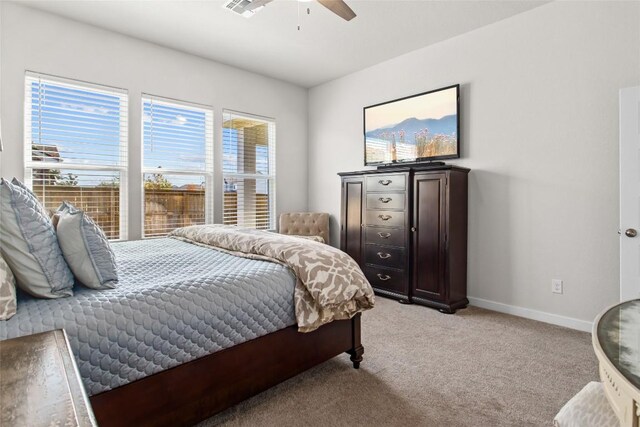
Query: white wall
x=45, y=43
x=540, y=133
x=539, y=130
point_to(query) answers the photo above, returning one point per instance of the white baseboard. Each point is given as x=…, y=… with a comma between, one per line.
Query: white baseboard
x=554, y=319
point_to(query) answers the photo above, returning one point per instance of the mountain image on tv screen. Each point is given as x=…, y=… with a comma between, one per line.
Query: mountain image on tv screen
x=421, y=127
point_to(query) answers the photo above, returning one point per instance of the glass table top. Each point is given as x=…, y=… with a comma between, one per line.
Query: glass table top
x=619, y=336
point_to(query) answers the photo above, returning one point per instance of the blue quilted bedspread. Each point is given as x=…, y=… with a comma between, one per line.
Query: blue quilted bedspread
x=175, y=302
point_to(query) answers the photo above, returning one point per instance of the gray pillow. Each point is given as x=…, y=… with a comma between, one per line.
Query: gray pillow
x=86, y=248
x=30, y=246
x=7, y=291
x=38, y=207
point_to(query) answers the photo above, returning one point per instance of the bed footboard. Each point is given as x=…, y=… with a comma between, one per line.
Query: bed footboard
x=194, y=391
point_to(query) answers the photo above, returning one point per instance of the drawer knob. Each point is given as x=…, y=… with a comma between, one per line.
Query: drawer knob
x=385, y=199
x=384, y=235
x=384, y=255
x=384, y=182
x=383, y=277
x=384, y=217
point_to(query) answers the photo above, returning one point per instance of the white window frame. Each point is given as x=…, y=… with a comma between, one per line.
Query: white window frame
x=209, y=164
x=271, y=178
x=30, y=165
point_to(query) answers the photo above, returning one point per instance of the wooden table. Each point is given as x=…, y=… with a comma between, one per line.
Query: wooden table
x=616, y=341
x=40, y=384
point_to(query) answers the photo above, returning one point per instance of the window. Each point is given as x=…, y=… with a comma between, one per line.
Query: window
x=248, y=144
x=177, y=165
x=76, y=148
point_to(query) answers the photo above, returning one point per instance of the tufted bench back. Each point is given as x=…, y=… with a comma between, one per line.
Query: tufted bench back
x=305, y=224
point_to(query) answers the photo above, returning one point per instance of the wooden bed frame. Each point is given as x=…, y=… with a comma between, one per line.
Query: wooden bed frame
x=194, y=391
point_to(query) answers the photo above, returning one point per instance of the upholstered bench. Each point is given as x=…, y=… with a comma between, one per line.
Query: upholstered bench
x=305, y=224
x=588, y=408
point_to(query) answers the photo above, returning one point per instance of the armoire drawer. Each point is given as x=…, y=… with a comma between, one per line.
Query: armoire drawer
x=386, y=201
x=396, y=182
x=385, y=236
x=385, y=218
x=385, y=256
x=382, y=278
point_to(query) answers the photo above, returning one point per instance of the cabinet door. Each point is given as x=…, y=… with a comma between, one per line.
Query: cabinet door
x=352, y=208
x=428, y=239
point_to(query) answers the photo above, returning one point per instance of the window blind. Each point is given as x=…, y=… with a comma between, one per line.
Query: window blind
x=248, y=144
x=177, y=164
x=76, y=148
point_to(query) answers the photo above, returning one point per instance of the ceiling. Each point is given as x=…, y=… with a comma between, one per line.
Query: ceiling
x=269, y=43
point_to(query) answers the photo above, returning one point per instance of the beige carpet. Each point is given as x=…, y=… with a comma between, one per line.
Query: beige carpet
x=421, y=367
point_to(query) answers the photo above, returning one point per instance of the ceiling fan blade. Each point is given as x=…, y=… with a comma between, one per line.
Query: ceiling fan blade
x=256, y=4
x=340, y=8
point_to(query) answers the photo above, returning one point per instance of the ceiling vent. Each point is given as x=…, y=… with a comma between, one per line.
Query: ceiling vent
x=244, y=8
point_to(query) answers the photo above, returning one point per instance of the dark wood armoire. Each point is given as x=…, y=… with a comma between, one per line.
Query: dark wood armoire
x=407, y=228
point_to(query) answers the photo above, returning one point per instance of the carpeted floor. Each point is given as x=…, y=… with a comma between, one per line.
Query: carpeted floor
x=424, y=368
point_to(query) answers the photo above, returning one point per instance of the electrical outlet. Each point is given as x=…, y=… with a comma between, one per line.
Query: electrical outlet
x=556, y=286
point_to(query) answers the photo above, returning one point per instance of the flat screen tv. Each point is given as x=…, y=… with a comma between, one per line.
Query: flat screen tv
x=418, y=128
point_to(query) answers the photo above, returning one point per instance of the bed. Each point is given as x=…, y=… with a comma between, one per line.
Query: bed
x=188, y=332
